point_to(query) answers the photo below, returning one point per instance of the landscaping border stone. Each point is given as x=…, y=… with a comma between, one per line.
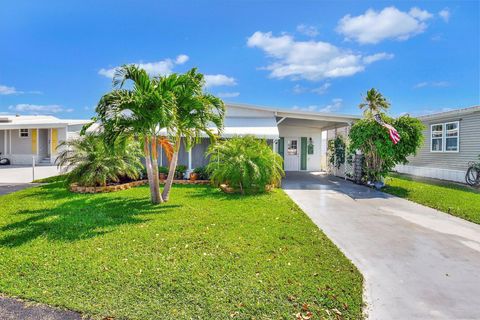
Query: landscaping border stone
x=124, y=186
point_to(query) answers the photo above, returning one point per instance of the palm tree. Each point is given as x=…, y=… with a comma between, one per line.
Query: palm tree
x=374, y=103
x=195, y=112
x=91, y=161
x=142, y=109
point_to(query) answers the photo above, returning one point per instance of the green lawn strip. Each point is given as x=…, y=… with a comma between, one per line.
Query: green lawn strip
x=457, y=200
x=60, y=177
x=203, y=255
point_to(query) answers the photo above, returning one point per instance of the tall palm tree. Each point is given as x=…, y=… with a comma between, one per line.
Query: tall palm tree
x=141, y=109
x=374, y=102
x=195, y=112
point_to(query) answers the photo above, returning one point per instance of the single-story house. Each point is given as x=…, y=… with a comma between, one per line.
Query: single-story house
x=27, y=138
x=452, y=140
x=299, y=136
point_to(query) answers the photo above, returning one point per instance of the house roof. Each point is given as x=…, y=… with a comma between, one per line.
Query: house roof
x=29, y=122
x=457, y=112
x=300, y=114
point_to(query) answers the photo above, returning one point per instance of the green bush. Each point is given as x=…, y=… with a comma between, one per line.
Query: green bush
x=163, y=169
x=381, y=154
x=90, y=161
x=246, y=164
x=202, y=173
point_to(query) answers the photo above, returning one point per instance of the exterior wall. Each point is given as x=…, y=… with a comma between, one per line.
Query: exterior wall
x=313, y=160
x=469, y=146
x=447, y=165
x=2, y=142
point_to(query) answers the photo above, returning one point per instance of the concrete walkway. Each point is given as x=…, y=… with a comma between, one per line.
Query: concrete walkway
x=14, y=309
x=24, y=174
x=418, y=263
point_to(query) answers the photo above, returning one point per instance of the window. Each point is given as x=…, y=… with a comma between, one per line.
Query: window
x=444, y=137
x=24, y=133
x=292, y=148
x=451, y=137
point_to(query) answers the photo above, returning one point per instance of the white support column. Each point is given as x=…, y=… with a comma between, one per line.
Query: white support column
x=189, y=170
x=10, y=142
x=5, y=150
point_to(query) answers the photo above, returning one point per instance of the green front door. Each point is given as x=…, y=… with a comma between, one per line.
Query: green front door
x=303, y=154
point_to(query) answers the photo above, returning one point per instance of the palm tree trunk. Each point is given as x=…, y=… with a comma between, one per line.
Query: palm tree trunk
x=171, y=170
x=148, y=164
x=156, y=180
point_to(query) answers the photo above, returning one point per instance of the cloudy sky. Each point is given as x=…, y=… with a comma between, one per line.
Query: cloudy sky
x=58, y=57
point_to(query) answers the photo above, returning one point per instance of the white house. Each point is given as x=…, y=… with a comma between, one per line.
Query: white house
x=299, y=136
x=24, y=138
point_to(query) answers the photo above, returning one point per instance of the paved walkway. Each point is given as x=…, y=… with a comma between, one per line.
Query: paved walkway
x=418, y=263
x=24, y=174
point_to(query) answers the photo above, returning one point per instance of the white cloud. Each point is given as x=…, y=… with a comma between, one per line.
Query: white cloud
x=228, y=94
x=377, y=56
x=217, y=80
x=181, y=59
x=322, y=89
x=432, y=84
x=36, y=109
x=6, y=90
x=390, y=23
x=162, y=67
x=310, y=31
x=333, y=106
x=444, y=14
x=310, y=60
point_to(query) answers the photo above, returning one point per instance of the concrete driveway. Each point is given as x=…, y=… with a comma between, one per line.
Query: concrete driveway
x=24, y=174
x=418, y=263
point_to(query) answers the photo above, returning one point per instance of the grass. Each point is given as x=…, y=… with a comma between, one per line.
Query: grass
x=457, y=200
x=204, y=255
x=57, y=178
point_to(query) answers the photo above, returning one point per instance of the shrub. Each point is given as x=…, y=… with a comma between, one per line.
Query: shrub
x=381, y=154
x=90, y=161
x=202, y=173
x=163, y=169
x=245, y=163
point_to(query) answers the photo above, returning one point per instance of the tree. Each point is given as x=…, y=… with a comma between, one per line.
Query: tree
x=369, y=136
x=142, y=110
x=91, y=161
x=245, y=163
x=195, y=112
x=373, y=103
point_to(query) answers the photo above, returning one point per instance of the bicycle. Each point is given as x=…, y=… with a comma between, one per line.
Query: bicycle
x=4, y=161
x=473, y=174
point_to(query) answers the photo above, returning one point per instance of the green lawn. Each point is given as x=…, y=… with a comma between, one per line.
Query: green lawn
x=457, y=200
x=204, y=255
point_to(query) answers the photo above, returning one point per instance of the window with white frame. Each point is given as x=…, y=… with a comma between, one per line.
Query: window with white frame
x=444, y=137
x=24, y=133
x=451, y=136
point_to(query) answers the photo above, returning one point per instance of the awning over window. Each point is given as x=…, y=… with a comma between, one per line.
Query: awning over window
x=265, y=127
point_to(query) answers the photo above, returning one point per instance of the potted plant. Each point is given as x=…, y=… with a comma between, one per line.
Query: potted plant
x=180, y=171
x=162, y=172
x=193, y=176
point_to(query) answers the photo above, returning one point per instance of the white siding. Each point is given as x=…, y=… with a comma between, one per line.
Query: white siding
x=313, y=160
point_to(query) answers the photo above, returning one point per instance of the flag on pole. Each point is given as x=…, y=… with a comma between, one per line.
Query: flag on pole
x=392, y=132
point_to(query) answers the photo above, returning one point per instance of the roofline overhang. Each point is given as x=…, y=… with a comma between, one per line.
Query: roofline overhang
x=452, y=113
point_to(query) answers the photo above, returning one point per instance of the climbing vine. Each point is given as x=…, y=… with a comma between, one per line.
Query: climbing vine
x=336, y=150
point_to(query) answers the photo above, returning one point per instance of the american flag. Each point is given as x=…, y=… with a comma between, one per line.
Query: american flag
x=392, y=132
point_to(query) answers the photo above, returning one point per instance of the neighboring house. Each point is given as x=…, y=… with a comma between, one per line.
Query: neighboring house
x=299, y=136
x=452, y=139
x=24, y=138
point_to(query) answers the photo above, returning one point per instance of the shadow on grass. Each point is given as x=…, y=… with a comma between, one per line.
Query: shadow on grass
x=398, y=191
x=82, y=217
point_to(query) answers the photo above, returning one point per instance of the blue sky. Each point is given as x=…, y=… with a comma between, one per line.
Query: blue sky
x=56, y=56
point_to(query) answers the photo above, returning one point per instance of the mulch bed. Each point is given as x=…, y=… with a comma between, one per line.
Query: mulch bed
x=124, y=186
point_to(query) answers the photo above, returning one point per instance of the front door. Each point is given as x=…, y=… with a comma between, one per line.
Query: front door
x=292, y=154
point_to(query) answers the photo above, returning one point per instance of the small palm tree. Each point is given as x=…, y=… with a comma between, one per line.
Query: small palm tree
x=90, y=161
x=246, y=164
x=195, y=112
x=373, y=103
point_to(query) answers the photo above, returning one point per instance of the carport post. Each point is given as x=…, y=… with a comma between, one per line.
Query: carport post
x=33, y=168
